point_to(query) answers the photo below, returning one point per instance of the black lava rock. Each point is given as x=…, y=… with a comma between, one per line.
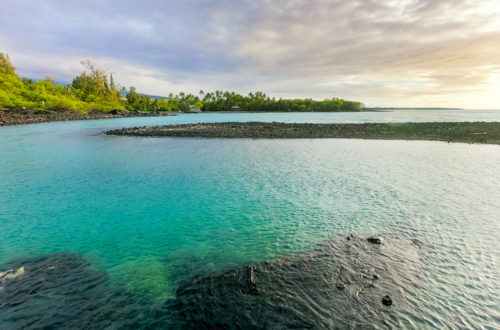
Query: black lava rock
x=251, y=284
x=288, y=292
x=375, y=239
x=386, y=300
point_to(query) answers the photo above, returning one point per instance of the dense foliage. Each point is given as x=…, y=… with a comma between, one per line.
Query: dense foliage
x=230, y=101
x=89, y=91
x=92, y=87
x=94, y=90
x=226, y=101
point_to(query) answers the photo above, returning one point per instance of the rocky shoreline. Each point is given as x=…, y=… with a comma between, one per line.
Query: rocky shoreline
x=28, y=116
x=467, y=132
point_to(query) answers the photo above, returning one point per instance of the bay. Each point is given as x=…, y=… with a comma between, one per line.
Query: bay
x=153, y=212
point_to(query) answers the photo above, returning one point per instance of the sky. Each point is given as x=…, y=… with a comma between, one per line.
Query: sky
x=385, y=53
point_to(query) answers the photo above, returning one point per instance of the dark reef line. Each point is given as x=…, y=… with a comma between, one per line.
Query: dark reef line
x=468, y=132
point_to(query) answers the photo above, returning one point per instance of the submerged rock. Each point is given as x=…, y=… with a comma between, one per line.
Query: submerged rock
x=332, y=286
x=65, y=291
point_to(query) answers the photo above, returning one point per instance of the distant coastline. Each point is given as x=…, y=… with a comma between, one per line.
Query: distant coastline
x=467, y=132
x=95, y=89
x=407, y=108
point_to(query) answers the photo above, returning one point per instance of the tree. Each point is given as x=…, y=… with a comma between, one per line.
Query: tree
x=132, y=99
x=92, y=86
x=111, y=81
x=6, y=66
x=144, y=103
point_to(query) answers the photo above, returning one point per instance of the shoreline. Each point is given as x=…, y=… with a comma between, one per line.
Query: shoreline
x=465, y=132
x=28, y=116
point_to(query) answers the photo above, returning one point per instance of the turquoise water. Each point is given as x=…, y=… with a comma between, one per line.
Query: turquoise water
x=151, y=212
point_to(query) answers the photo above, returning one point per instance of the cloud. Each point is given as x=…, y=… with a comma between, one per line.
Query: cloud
x=390, y=53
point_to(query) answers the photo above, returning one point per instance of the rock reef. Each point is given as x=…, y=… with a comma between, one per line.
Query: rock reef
x=343, y=282
x=64, y=291
x=476, y=132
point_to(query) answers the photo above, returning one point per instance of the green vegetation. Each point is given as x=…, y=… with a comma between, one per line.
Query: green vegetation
x=92, y=87
x=94, y=90
x=227, y=101
x=137, y=102
x=230, y=101
x=89, y=91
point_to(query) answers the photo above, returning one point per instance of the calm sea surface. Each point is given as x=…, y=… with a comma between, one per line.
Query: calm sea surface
x=150, y=213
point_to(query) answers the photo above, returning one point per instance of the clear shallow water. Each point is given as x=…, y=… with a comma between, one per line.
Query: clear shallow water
x=151, y=212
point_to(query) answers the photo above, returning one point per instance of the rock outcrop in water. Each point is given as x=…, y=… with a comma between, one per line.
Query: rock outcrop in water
x=342, y=283
x=375, y=239
x=469, y=132
x=386, y=300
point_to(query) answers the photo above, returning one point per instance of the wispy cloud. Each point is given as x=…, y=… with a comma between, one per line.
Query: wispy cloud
x=387, y=53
